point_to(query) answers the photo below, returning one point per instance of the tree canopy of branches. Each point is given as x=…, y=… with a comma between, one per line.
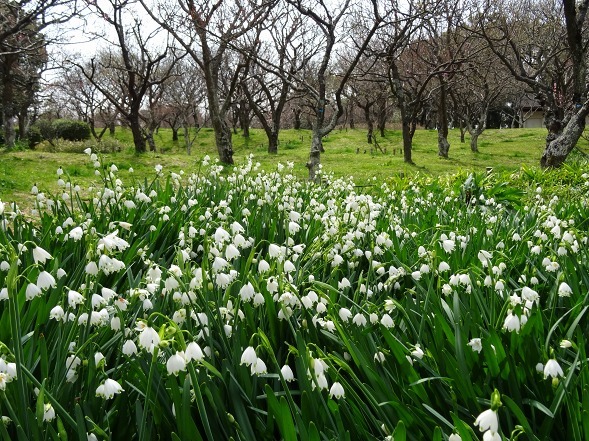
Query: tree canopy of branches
x=130, y=68
x=544, y=46
x=208, y=31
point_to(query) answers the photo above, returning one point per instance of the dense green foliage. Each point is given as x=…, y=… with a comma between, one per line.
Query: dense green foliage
x=375, y=298
x=66, y=129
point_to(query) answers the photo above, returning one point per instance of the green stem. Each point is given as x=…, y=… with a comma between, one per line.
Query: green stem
x=14, y=312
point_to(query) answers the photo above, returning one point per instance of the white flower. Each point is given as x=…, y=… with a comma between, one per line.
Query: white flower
x=454, y=437
x=129, y=348
x=193, y=352
x=76, y=234
x=387, y=321
x=487, y=420
x=57, y=313
x=489, y=435
x=4, y=294
x=417, y=353
x=484, y=257
x=448, y=245
x=379, y=357
x=565, y=344
x=553, y=369
x=564, y=290
x=74, y=298
x=289, y=267
x=443, y=267
x=247, y=292
x=40, y=255
x=176, y=363
x=108, y=389
x=359, y=320
x=512, y=322
x=476, y=345
x=248, y=357
x=529, y=295
x=45, y=280
x=149, y=339
x=272, y=285
x=32, y=291
x=345, y=314
x=48, y=412
x=263, y=266
x=287, y=373
x=231, y=252
x=336, y=391
x=258, y=367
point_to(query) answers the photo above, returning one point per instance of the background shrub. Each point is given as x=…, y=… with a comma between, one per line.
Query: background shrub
x=71, y=130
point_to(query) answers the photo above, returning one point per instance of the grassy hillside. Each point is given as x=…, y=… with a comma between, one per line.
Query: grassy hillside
x=346, y=153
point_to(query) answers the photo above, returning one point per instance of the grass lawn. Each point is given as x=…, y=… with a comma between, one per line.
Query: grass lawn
x=346, y=153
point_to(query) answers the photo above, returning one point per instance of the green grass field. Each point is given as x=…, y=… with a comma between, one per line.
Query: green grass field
x=504, y=150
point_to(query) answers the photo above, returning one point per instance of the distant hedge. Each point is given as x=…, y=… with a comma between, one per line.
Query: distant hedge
x=68, y=129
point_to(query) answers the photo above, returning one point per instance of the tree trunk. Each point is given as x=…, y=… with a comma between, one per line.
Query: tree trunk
x=138, y=138
x=443, y=144
x=315, y=155
x=244, y=121
x=561, y=145
x=462, y=130
x=369, y=123
x=8, y=100
x=174, y=134
x=474, y=141
x=382, y=116
x=111, y=128
x=297, y=119
x=351, y=116
x=223, y=140
x=407, y=142
x=187, y=140
x=272, y=142
x=149, y=138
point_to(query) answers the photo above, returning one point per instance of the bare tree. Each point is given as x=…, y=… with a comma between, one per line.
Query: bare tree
x=207, y=30
x=331, y=22
x=544, y=46
x=274, y=69
x=134, y=64
x=400, y=44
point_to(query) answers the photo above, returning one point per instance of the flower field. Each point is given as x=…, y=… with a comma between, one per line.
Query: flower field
x=255, y=306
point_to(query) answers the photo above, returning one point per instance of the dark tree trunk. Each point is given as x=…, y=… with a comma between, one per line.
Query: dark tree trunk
x=111, y=128
x=407, y=141
x=174, y=134
x=315, y=155
x=369, y=121
x=381, y=117
x=23, y=124
x=297, y=118
x=462, y=130
x=561, y=145
x=443, y=144
x=223, y=140
x=244, y=119
x=8, y=107
x=352, y=120
x=272, y=142
x=138, y=138
x=474, y=140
